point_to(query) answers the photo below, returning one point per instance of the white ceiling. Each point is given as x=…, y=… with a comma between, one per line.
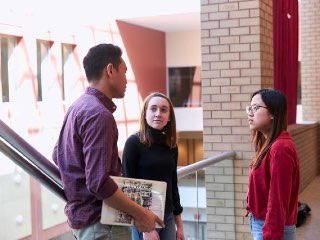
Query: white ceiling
x=162, y=15
x=168, y=23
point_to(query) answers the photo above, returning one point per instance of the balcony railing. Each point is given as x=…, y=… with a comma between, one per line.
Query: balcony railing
x=193, y=195
x=192, y=168
x=191, y=177
x=30, y=160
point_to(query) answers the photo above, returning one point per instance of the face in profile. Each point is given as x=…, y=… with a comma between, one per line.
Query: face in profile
x=119, y=80
x=158, y=112
x=259, y=117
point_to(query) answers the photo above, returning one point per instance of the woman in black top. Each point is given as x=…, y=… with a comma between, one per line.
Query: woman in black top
x=152, y=154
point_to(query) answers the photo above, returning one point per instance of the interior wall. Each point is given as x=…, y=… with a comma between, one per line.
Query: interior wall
x=146, y=52
x=307, y=151
x=183, y=48
x=190, y=151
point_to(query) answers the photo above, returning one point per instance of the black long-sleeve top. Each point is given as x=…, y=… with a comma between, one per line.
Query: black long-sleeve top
x=157, y=162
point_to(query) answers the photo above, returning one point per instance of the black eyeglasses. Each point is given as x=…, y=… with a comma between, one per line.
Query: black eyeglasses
x=253, y=109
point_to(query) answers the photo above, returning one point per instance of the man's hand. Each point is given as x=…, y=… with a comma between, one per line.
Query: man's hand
x=153, y=235
x=146, y=222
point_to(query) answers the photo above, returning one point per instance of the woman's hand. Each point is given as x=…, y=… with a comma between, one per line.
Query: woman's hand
x=179, y=234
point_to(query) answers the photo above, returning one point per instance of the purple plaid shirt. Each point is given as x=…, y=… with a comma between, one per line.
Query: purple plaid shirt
x=87, y=155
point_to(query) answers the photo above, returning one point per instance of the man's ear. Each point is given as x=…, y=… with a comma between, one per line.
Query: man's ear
x=109, y=69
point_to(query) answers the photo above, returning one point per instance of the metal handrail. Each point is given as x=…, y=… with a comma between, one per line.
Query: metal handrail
x=33, y=162
x=33, y=170
x=183, y=171
x=30, y=160
x=29, y=152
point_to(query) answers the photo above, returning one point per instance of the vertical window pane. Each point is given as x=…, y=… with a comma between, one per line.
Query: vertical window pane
x=46, y=74
x=4, y=70
x=67, y=51
x=8, y=81
x=72, y=85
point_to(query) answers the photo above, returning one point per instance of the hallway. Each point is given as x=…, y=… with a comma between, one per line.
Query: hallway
x=310, y=230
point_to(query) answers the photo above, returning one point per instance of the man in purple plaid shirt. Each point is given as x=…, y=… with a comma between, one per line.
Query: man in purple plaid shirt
x=87, y=153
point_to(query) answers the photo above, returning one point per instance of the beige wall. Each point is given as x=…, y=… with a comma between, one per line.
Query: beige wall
x=183, y=48
x=236, y=40
x=190, y=150
x=305, y=137
x=237, y=59
x=310, y=57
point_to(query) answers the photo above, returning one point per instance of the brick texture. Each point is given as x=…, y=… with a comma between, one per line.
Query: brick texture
x=307, y=151
x=310, y=57
x=237, y=42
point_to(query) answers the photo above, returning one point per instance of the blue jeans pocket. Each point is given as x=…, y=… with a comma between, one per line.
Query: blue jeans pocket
x=256, y=226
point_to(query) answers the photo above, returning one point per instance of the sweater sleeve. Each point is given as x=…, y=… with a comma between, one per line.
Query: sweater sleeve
x=130, y=157
x=281, y=173
x=177, y=208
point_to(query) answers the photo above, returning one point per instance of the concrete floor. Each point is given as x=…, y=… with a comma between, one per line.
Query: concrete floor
x=310, y=230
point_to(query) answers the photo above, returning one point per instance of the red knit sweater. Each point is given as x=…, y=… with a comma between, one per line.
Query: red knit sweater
x=274, y=186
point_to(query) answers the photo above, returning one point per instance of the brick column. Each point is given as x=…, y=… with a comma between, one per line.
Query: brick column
x=237, y=59
x=310, y=58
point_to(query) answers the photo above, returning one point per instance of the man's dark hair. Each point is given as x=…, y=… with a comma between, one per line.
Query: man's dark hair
x=100, y=56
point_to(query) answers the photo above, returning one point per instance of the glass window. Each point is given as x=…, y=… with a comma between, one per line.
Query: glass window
x=66, y=53
x=8, y=82
x=184, y=86
x=72, y=85
x=45, y=71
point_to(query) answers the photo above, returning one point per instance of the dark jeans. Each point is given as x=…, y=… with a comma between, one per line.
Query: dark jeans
x=167, y=233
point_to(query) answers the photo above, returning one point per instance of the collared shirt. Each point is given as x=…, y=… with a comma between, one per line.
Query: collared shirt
x=87, y=155
x=274, y=187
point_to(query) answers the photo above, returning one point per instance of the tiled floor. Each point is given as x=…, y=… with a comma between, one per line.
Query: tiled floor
x=310, y=230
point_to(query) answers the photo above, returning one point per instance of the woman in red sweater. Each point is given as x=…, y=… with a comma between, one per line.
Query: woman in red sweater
x=272, y=198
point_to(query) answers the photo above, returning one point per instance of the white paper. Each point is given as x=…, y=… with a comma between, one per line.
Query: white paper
x=147, y=193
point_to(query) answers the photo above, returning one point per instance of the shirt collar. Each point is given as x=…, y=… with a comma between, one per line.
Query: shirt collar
x=107, y=102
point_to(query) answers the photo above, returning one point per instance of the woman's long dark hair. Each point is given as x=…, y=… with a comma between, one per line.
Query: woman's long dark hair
x=276, y=103
x=169, y=130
